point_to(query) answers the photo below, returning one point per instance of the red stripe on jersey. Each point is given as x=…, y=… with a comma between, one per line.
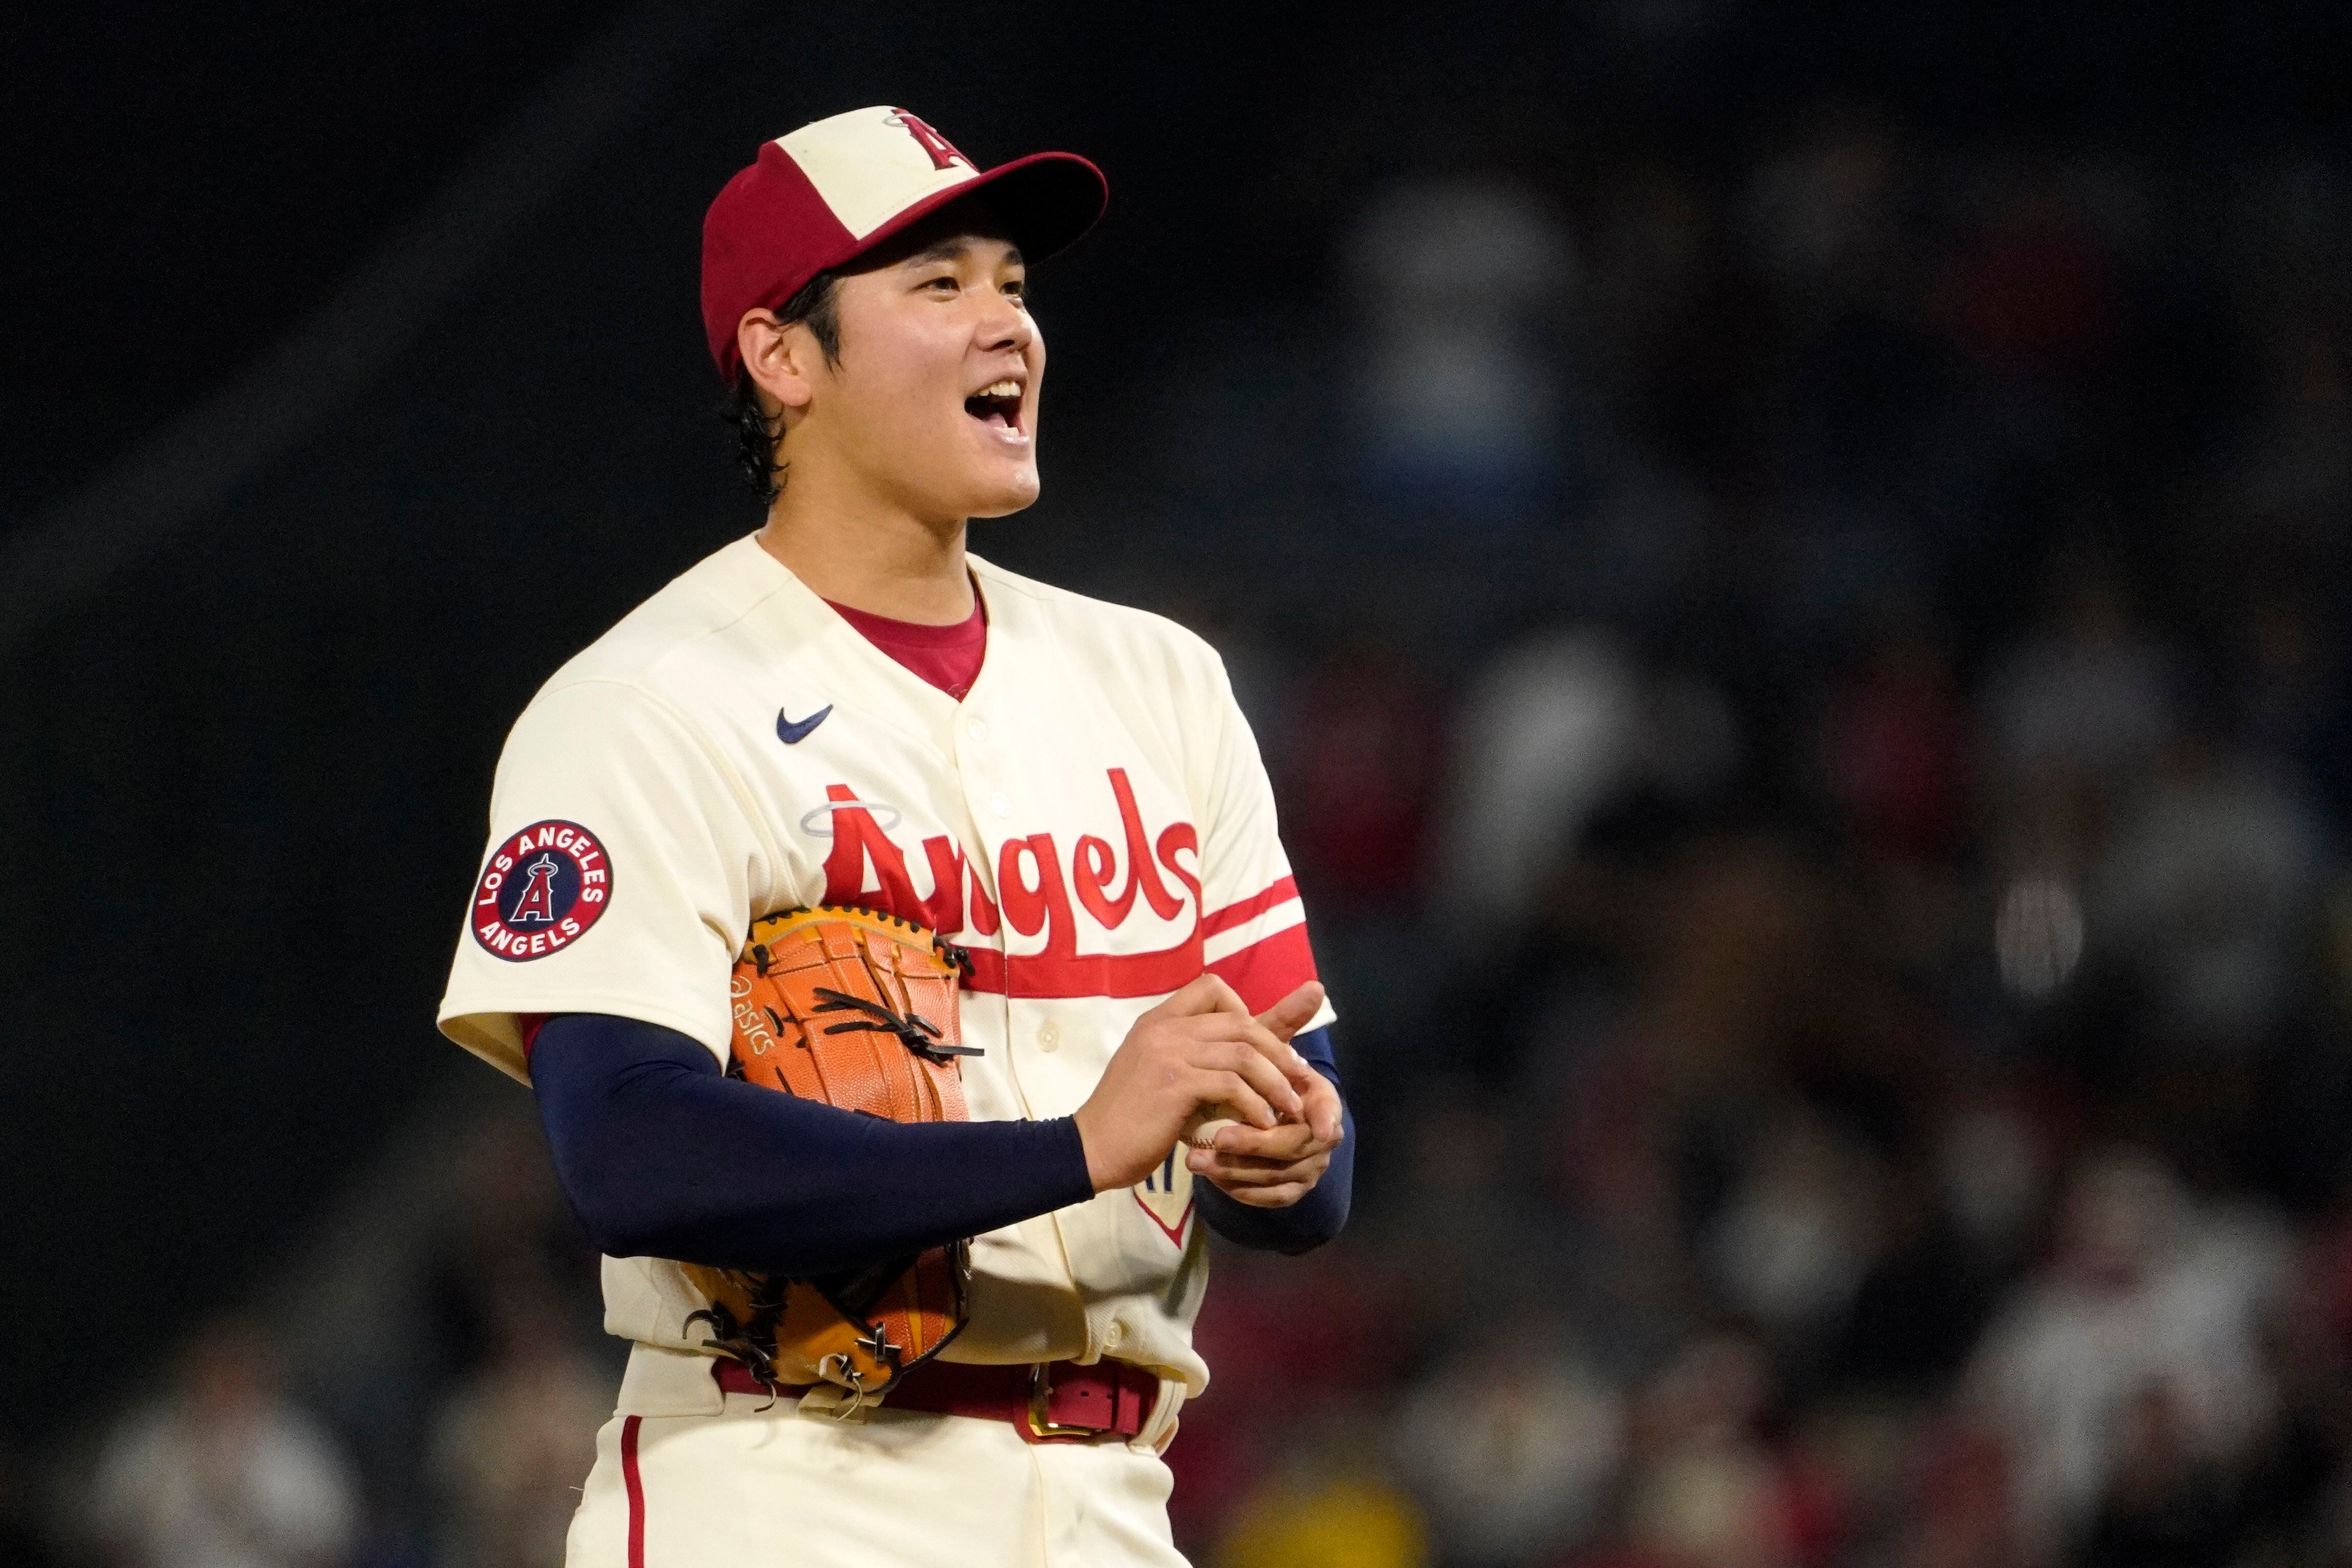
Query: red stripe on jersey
x=1078, y=975
x=1248, y=909
x=636, y=1489
x=1268, y=969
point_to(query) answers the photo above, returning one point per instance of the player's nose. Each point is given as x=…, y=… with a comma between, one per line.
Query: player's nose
x=1006, y=325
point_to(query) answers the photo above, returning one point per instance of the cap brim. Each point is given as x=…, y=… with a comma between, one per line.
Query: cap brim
x=1048, y=201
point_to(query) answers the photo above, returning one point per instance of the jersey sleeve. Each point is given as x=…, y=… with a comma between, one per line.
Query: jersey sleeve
x=617, y=878
x=1253, y=925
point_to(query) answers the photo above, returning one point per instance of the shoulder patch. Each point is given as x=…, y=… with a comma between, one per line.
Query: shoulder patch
x=540, y=891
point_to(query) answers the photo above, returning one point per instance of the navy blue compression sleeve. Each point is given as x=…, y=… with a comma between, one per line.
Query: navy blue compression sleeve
x=664, y=1156
x=1313, y=1219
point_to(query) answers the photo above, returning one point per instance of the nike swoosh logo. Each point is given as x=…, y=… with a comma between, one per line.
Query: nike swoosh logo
x=792, y=731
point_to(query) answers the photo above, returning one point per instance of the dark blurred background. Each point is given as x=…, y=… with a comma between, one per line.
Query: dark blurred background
x=1789, y=563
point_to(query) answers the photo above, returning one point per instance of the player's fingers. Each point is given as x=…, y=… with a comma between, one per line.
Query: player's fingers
x=1281, y=1197
x=1228, y=1169
x=1290, y=1015
x=1206, y=994
x=1231, y=1177
x=1209, y=994
x=1228, y=1172
x=1228, y=1055
x=1220, y=1164
x=1258, y=1038
x=1278, y=1049
x=1248, y=1058
x=1210, y=1086
x=1291, y=1141
x=1209, y=1158
x=1321, y=1110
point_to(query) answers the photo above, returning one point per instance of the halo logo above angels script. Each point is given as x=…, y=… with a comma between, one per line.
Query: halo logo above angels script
x=540, y=891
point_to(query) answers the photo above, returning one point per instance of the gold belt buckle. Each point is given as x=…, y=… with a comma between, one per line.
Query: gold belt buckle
x=1041, y=1389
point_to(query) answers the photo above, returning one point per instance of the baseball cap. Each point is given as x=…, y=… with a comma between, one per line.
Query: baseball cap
x=835, y=189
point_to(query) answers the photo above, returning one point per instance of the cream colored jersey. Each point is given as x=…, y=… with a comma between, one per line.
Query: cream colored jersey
x=1092, y=821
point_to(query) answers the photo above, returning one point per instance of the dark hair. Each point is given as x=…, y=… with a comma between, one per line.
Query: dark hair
x=756, y=434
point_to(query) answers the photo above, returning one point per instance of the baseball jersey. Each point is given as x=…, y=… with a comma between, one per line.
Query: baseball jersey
x=1091, y=821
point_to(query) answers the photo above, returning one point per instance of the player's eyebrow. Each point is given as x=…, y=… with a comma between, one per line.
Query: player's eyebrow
x=955, y=247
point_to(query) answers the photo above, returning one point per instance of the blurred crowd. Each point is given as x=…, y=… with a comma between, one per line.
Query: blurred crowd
x=1827, y=849
x=1811, y=709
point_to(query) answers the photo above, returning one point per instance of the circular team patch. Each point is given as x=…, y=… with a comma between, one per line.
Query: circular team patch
x=540, y=891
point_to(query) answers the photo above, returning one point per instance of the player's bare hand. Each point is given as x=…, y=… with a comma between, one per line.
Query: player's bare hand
x=1274, y=1167
x=1199, y=1051
x=1317, y=1129
x=1266, y=1169
x=1320, y=1108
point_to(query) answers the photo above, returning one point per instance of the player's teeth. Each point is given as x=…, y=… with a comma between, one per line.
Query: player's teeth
x=1002, y=389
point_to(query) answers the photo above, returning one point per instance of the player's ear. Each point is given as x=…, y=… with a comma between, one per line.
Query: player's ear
x=777, y=357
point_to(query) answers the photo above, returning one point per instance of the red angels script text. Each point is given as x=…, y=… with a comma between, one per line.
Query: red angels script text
x=1045, y=891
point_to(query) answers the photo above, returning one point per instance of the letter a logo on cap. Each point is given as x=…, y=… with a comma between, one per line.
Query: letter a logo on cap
x=942, y=150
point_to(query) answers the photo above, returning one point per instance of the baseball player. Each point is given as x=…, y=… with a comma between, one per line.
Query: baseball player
x=849, y=709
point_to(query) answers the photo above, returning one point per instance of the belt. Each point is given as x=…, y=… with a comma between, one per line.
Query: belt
x=1047, y=1402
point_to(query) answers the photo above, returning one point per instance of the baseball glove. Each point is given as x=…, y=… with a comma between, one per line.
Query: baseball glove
x=859, y=1011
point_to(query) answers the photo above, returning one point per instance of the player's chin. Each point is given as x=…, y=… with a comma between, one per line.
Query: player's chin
x=999, y=470
x=1006, y=493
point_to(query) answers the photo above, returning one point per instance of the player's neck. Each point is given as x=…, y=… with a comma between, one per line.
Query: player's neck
x=872, y=557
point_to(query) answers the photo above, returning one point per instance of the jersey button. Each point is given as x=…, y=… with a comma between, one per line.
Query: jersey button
x=1114, y=1336
x=1000, y=805
x=1049, y=1036
x=977, y=729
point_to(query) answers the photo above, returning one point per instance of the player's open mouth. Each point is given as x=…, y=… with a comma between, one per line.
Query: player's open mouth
x=997, y=403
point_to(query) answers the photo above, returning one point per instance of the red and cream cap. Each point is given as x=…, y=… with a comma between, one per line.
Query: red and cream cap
x=835, y=189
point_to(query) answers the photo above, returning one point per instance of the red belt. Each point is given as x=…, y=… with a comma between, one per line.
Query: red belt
x=1051, y=1402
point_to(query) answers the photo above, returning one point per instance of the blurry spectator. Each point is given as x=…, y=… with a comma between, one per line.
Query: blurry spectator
x=1458, y=397
x=2295, y=696
x=2294, y=479
x=1362, y=767
x=1853, y=369
x=2298, y=1489
x=1511, y=1442
x=2147, y=1295
x=1648, y=326
x=2085, y=698
x=1851, y=1464
x=1794, y=1244
x=1993, y=1172
x=1326, y=1503
x=1545, y=733
x=1960, y=1514
x=1551, y=731
x=222, y=1472
x=514, y=1445
x=1896, y=752
x=2031, y=293
x=2168, y=1504
x=1638, y=551
x=2204, y=892
x=1302, y=1335
x=1819, y=216
x=1468, y=1236
x=510, y=1238
x=1707, y=1492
